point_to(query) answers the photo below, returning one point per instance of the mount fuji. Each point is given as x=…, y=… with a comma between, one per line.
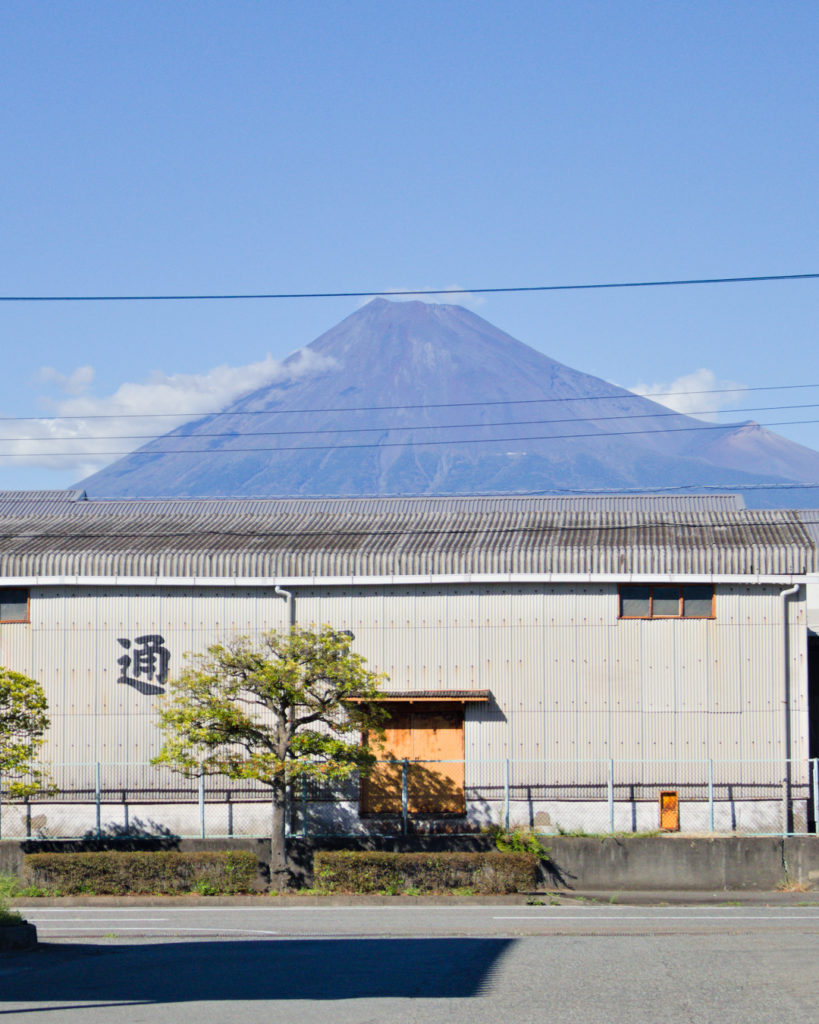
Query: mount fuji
x=423, y=398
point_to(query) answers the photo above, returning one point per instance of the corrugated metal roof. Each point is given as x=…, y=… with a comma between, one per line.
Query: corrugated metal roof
x=32, y=500
x=437, y=505
x=67, y=495
x=381, y=538
x=44, y=501
x=809, y=518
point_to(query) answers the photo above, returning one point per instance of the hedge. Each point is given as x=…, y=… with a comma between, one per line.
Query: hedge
x=115, y=872
x=365, y=871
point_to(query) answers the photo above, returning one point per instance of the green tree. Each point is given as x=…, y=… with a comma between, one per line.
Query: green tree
x=294, y=705
x=23, y=720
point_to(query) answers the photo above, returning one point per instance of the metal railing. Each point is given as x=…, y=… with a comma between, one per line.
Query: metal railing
x=104, y=799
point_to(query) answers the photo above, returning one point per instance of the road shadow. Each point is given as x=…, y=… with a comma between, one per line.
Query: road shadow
x=250, y=969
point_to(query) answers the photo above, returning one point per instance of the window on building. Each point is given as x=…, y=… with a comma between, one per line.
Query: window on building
x=13, y=604
x=667, y=601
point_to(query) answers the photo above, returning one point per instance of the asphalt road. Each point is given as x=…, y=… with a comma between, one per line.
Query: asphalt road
x=434, y=964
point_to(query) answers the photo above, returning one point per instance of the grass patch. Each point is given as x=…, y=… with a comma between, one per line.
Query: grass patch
x=9, y=887
x=579, y=833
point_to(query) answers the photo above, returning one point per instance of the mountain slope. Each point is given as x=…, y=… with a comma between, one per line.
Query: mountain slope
x=412, y=398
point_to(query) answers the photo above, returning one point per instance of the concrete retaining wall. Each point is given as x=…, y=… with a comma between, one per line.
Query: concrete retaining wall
x=612, y=863
x=682, y=863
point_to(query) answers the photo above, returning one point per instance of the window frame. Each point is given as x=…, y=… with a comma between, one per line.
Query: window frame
x=23, y=590
x=665, y=618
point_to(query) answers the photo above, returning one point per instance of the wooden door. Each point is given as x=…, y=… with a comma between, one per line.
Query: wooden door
x=424, y=734
x=381, y=789
x=437, y=735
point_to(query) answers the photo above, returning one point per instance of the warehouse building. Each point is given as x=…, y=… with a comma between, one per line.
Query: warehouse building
x=558, y=662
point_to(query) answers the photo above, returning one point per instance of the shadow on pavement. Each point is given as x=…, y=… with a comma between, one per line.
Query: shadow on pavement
x=175, y=972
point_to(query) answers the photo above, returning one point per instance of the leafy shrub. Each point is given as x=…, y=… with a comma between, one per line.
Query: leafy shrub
x=8, y=917
x=9, y=886
x=520, y=840
x=116, y=872
x=366, y=871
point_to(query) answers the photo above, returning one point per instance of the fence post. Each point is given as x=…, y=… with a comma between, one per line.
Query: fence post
x=611, y=795
x=815, y=764
x=304, y=806
x=710, y=795
x=785, y=799
x=506, y=797
x=202, y=805
x=404, y=794
x=98, y=797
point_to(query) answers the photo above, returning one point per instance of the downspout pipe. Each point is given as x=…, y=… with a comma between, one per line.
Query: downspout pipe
x=291, y=603
x=786, y=696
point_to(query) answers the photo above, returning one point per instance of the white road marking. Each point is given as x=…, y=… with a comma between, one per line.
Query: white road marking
x=198, y=931
x=557, y=910
x=645, y=917
x=67, y=920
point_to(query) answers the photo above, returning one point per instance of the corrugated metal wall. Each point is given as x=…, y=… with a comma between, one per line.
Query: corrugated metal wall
x=568, y=679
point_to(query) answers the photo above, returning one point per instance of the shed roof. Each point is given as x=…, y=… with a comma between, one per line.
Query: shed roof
x=280, y=538
x=33, y=502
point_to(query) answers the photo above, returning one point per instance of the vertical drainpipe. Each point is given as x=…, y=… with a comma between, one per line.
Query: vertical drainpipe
x=787, y=812
x=291, y=603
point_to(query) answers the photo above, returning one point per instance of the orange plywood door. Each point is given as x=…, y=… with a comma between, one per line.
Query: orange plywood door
x=437, y=735
x=381, y=790
x=423, y=735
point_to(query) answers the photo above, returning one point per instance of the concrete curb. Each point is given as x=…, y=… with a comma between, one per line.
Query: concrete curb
x=541, y=898
x=271, y=900
x=719, y=898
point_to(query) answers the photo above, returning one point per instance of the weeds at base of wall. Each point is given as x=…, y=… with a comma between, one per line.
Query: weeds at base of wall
x=579, y=833
x=416, y=873
x=519, y=840
x=119, y=873
x=789, y=885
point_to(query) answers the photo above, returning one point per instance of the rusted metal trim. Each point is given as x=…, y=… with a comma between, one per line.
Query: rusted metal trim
x=428, y=696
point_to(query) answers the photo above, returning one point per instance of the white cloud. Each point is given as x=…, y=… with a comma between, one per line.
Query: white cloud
x=686, y=394
x=76, y=383
x=101, y=428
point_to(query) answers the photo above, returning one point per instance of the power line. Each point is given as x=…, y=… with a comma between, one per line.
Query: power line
x=386, y=444
x=420, y=426
x=373, y=293
x=626, y=396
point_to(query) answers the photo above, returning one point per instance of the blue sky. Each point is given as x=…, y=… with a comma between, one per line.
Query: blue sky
x=243, y=147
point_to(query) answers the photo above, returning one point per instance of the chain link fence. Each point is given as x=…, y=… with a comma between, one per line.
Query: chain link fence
x=109, y=800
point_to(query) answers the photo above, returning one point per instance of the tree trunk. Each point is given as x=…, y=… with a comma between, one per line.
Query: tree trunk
x=279, y=870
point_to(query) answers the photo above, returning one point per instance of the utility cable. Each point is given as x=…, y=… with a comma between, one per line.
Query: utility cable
x=374, y=293
x=391, y=427
x=625, y=396
x=387, y=444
